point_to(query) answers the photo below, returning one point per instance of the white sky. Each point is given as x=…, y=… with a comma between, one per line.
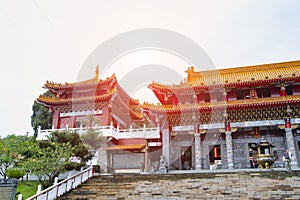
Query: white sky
x=49, y=40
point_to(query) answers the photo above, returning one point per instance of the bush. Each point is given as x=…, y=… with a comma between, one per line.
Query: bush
x=15, y=173
x=73, y=166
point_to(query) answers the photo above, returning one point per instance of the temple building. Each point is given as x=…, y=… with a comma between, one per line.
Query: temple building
x=106, y=107
x=104, y=99
x=212, y=119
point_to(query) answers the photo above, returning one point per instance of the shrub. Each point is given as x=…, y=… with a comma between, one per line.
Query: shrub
x=15, y=172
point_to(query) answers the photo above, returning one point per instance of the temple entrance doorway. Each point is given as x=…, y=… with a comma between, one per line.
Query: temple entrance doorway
x=215, y=158
x=186, y=158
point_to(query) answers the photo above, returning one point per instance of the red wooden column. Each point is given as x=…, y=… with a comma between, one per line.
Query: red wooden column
x=55, y=120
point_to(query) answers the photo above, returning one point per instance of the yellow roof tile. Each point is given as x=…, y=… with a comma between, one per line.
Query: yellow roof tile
x=274, y=71
x=127, y=147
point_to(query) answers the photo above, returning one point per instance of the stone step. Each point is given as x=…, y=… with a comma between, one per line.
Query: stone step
x=259, y=185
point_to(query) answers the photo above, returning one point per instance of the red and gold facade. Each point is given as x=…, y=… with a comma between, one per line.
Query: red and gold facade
x=217, y=116
x=98, y=103
x=212, y=117
x=104, y=99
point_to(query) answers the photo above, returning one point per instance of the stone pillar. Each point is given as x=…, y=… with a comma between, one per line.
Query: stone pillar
x=198, y=153
x=229, y=149
x=166, y=145
x=146, y=157
x=291, y=145
x=102, y=158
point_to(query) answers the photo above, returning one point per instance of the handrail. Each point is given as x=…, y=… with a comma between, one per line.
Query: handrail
x=110, y=131
x=64, y=186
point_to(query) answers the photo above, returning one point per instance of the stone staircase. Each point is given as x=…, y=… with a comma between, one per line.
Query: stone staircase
x=256, y=185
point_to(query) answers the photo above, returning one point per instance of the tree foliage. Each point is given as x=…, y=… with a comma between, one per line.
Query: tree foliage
x=48, y=160
x=80, y=150
x=13, y=150
x=90, y=121
x=92, y=139
x=41, y=115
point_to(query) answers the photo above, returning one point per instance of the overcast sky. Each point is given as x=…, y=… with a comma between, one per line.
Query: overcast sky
x=50, y=40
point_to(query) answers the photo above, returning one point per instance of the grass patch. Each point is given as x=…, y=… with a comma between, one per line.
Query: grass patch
x=27, y=188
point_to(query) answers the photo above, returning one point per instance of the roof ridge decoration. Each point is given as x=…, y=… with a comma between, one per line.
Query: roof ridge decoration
x=273, y=72
x=95, y=80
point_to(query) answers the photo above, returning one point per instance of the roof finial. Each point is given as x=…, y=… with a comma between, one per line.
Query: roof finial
x=97, y=72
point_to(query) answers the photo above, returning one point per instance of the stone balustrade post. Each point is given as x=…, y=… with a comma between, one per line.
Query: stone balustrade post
x=229, y=149
x=198, y=152
x=39, y=189
x=291, y=145
x=166, y=145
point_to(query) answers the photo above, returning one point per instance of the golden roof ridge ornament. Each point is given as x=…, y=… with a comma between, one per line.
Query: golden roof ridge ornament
x=97, y=73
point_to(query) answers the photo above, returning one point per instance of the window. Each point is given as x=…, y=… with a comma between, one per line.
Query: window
x=295, y=89
x=219, y=96
x=231, y=95
x=266, y=92
x=247, y=94
x=240, y=94
x=207, y=97
x=259, y=92
x=275, y=91
x=289, y=90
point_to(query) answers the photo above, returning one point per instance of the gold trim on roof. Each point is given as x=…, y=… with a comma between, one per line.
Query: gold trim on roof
x=127, y=147
x=266, y=72
x=210, y=105
x=58, y=100
x=95, y=79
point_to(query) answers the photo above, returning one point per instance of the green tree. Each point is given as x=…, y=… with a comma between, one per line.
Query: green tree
x=48, y=160
x=5, y=158
x=80, y=150
x=41, y=115
x=92, y=139
x=90, y=121
x=12, y=151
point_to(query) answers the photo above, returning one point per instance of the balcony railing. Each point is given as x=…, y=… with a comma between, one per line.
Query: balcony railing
x=64, y=186
x=109, y=131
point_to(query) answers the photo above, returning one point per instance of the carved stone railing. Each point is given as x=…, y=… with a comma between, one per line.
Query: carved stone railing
x=64, y=186
x=109, y=131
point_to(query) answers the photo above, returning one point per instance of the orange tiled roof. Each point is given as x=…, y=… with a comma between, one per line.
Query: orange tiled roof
x=260, y=102
x=86, y=83
x=127, y=147
x=56, y=101
x=249, y=74
x=118, y=104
